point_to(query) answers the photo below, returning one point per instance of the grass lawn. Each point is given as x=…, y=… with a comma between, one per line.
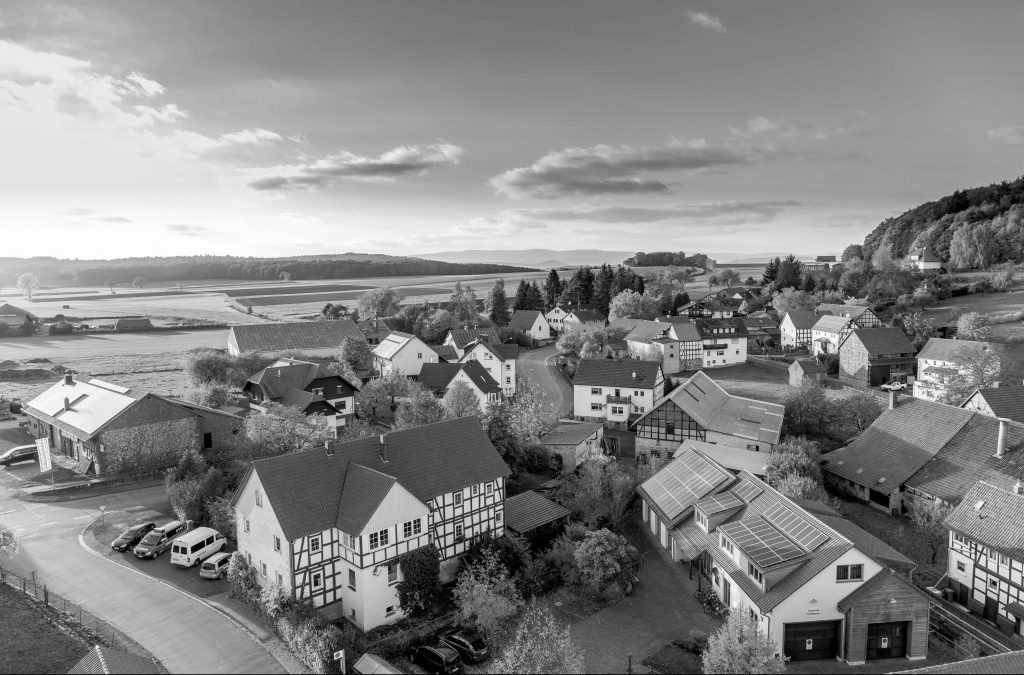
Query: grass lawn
x=673, y=659
x=31, y=640
x=762, y=383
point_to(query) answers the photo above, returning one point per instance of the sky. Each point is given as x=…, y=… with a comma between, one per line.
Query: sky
x=282, y=128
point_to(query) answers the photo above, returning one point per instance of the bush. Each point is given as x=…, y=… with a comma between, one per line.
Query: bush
x=275, y=601
x=537, y=460
x=60, y=328
x=695, y=642
x=311, y=638
x=242, y=581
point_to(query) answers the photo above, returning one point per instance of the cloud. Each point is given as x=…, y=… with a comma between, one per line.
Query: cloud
x=712, y=213
x=614, y=169
x=251, y=137
x=706, y=20
x=187, y=230
x=112, y=219
x=1009, y=135
x=856, y=123
x=324, y=172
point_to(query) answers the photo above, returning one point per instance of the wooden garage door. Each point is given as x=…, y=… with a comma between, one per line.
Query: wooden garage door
x=887, y=640
x=812, y=640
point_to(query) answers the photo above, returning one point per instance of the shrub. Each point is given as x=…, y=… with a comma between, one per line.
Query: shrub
x=60, y=328
x=606, y=561
x=538, y=459
x=696, y=641
x=420, y=586
x=275, y=601
x=311, y=638
x=242, y=581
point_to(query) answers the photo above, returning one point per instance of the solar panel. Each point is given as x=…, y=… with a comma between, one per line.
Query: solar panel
x=761, y=542
x=747, y=491
x=795, y=526
x=752, y=414
x=685, y=480
x=109, y=386
x=722, y=501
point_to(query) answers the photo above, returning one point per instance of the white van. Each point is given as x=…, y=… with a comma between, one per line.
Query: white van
x=192, y=548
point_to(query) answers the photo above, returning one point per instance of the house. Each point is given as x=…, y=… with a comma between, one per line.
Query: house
x=795, y=328
x=458, y=338
x=613, y=392
x=864, y=317
x=924, y=260
x=402, y=353
x=985, y=561
x=617, y=349
x=497, y=359
x=940, y=357
x=723, y=341
x=308, y=387
x=715, y=306
x=314, y=338
x=762, y=331
x=1001, y=401
x=108, y=428
x=555, y=316
x=446, y=353
x=328, y=524
x=438, y=377
x=15, y=317
x=700, y=409
x=375, y=329
x=817, y=592
x=574, y=443
x=678, y=343
x=873, y=356
x=531, y=323
x=584, y=320
x=828, y=331
x=806, y=371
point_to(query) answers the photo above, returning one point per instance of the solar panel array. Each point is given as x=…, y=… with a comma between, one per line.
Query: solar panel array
x=685, y=480
x=723, y=501
x=761, y=542
x=795, y=526
x=747, y=491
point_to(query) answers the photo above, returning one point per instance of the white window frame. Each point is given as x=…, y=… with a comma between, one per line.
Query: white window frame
x=259, y=499
x=313, y=580
x=314, y=544
x=392, y=576
x=458, y=498
x=277, y=544
x=351, y=578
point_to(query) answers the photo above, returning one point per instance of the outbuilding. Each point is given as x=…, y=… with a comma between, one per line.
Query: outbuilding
x=806, y=371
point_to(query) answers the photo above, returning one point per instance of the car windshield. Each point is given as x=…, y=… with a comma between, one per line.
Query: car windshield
x=478, y=643
x=151, y=538
x=208, y=566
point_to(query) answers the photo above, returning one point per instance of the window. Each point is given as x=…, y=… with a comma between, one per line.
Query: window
x=475, y=490
x=458, y=499
x=341, y=405
x=754, y=448
x=726, y=544
x=247, y=526
x=378, y=539
x=655, y=453
x=318, y=391
x=960, y=566
x=314, y=544
x=248, y=558
x=207, y=440
x=849, y=572
x=508, y=366
x=419, y=355
x=259, y=499
x=318, y=580
x=1003, y=560
x=280, y=579
x=412, y=528
x=352, y=582
x=392, y=574
x=701, y=520
x=489, y=489
x=497, y=517
x=348, y=541
x=616, y=409
x=277, y=544
x=670, y=428
x=596, y=391
x=755, y=573
x=508, y=380
x=458, y=533
x=389, y=610
x=263, y=569
x=595, y=406
x=993, y=584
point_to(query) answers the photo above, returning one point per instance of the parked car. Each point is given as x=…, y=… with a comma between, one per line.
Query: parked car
x=132, y=536
x=895, y=385
x=216, y=566
x=196, y=546
x=21, y=453
x=438, y=658
x=159, y=539
x=468, y=643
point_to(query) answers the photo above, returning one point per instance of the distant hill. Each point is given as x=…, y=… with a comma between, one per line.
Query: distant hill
x=533, y=257
x=990, y=221
x=184, y=268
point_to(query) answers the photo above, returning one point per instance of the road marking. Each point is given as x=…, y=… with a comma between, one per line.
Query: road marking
x=46, y=524
x=24, y=508
x=80, y=517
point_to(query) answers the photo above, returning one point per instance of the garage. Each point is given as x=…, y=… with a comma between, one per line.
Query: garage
x=812, y=640
x=887, y=640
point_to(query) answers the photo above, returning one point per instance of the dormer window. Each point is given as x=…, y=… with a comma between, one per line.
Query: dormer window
x=701, y=520
x=726, y=544
x=755, y=573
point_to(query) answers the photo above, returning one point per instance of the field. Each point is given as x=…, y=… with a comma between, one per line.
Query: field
x=762, y=383
x=331, y=296
x=31, y=643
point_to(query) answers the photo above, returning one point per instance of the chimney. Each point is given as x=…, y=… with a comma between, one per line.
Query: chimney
x=1001, y=443
x=894, y=397
x=328, y=450
x=1018, y=489
x=69, y=380
x=67, y=403
x=384, y=448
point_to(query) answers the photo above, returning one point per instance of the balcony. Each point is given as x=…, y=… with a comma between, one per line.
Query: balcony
x=618, y=399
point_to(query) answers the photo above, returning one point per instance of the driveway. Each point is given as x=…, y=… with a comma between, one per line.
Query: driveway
x=185, y=634
x=536, y=366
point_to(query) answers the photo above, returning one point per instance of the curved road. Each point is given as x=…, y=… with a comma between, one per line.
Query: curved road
x=537, y=367
x=185, y=634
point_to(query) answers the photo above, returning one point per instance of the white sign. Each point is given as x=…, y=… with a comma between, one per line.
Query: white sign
x=43, y=447
x=339, y=656
x=814, y=612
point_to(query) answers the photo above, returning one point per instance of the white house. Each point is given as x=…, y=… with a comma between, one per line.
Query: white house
x=402, y=353
x=924, y=260
x=796, y=326
x=458, y=338
x=328, y=524
x=555, y=316
x=497, y=359
x=863, y=316
x=829, y=331
x=678, y=343
x=615, y=391
x=940, y=357
x=584, y=320
x=724, y=341
x=438, y=377
x=819, y=587
x=1002, y=401
x=531, y=323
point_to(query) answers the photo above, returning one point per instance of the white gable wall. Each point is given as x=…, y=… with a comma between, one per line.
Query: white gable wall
x=258, y=542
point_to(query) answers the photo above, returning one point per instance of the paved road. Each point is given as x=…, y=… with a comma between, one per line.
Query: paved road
x=59, y=348
x=537, y=367
x=185, y=634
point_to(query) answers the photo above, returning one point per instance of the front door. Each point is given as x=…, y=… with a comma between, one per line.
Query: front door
x=726, y=592
x=963, y=593
x=887, y=640
x=991, y=609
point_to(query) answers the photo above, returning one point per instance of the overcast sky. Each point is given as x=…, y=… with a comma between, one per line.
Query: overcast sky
x=259, y=128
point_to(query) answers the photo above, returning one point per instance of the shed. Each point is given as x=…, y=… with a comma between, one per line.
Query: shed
x=804, y=371
x=528, y=511
x=133, y=323
x=102, y=659
x=574, y=442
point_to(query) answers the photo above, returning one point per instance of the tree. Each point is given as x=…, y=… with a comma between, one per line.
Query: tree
x=422, y=407
x=540, y=644
x=485, y=594
x=603, y=281
x=355, y=429
x=852, y=252
x=381, y=392
x=27, y=283
x=139, y=282
x=570, y=343
x=917, y=328
x=534, y=298
x=460, y=401
x=929, y=517
x=8, y=542
x=380, y=302
x=528, y=412
x=498, y=425
x=794, y=457
x=605, y=559
x=462, y=303
x=598, y=493
x=498, y=303
x=435, y=325
x=281, y=430
x=740, y=646
x=632, y=305
x=804, y=487
x=210, y=394
x=790, y=271
x=354, y=353
x=553, y=288
x=521, y=291
x=972, y=326
x=729, y=277
x=110, y=283
x=771, y=272
x=333, y=312
x=971, y=366
x=420, y=586
x=790, y=299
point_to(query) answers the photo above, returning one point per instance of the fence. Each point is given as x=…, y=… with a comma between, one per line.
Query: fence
x=39, y=592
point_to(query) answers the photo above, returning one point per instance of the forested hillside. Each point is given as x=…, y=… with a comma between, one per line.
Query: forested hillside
x=185, y=268
x=969, y=228
x=678, y=258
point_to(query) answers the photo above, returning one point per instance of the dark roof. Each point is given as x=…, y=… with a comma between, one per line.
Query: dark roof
x=707, y=327
x=502, y=351
x=446, y=352
x=437, y=376
x=570, y=433
x=276, y=337
x=887, y=340
x=674, y=319
x=286, y=382
x=839, y=309
x=529, y=510
x=873, y=587
x=307, y=488
x=991, y=516
x=463, y=336
x=809, y=366
x=616, y=373
x=1005, y=401
x=897, y=444
x=136, y=323
x=869, y=543
x=476, y=372
x=362, y=492
x=8, y=310
x=997, y=664
x=924, y=255
x=589, y=315
x=524, y=319
x=101, y=660
x=941, y=349
x=802, y=319
x=814, y=507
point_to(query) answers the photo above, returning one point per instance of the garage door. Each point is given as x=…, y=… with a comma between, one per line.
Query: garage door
x=887, y=640
x=812, y=640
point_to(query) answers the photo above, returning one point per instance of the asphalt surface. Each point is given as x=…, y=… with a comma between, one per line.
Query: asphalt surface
x=184, y=633
x=60, y=348
x=537, y=367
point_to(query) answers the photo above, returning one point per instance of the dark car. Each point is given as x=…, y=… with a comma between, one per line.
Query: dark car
x=132, y=536
x=22, y=453
x=468, y=643
x=439, y=658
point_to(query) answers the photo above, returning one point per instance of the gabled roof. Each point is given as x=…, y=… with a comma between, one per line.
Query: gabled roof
x=361, y=493
x=446, y=352
x=941, y=349
x=734, y=459
x=801, y=319
x=529, y=510
x=714, y=408
x=92, y=403
x=868, y=543
x=897, y=444
x=392, y=344
x=646, y=331
x=886, y=340
x=463, y=336
x=9, y=311
x=681, y=483
x=809, y=366
x=997, y=664
x=285, y=374
x=570, y=433
x=923, y=255
x=616, y=373
x=523, y=319
x=276, y=337
x=479, y=376
x=502, y=351
x=437, y=376
x=673, y=319
x=839, y=309
x=1005, y=401
x=830, y=323
x=991, y=516
x=589, y=315
x=104, y=661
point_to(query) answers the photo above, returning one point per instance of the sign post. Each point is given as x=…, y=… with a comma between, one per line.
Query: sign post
x=43, y=449
x=103, y=511
x=339, y=656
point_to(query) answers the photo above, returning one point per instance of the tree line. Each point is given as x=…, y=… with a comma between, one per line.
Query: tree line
x=676, y=258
